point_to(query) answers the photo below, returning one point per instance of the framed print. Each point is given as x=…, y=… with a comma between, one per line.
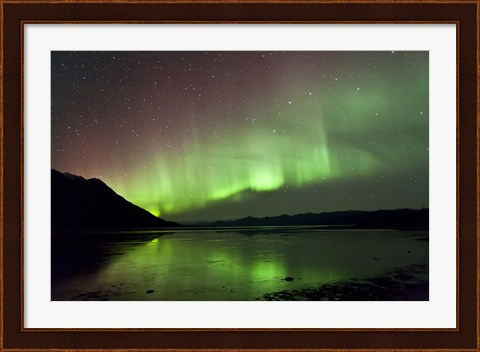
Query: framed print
x=171, y=169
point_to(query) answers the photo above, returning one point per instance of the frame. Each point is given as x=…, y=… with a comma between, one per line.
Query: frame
x=13, y=335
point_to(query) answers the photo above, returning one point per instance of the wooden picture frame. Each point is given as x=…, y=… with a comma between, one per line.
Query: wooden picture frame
x=14, y=337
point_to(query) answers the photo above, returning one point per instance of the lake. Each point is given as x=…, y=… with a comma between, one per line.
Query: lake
x=233, y=264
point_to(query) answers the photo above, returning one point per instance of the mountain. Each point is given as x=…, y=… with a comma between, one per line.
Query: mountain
x=89, y=203
x=405, y=219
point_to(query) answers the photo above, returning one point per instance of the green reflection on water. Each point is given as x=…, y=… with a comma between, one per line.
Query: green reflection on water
x=229, y=266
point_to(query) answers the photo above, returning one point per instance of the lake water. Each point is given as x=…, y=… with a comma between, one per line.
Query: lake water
x=223, y=264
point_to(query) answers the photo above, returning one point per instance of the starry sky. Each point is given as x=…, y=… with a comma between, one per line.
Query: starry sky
x=191, y=135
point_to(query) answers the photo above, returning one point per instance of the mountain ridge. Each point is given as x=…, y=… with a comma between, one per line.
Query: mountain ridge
x=407, y=219
x=90, y=203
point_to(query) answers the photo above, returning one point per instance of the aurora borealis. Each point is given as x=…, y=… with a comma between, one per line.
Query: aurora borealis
x=217, y=135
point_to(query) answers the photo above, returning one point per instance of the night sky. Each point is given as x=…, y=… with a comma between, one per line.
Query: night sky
x=221, y=135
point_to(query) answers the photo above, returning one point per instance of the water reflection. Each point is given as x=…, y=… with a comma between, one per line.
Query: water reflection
x=227, y=265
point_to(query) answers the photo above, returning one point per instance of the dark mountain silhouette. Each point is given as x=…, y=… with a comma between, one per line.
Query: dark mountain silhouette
x=405, y=219
x=81, y=203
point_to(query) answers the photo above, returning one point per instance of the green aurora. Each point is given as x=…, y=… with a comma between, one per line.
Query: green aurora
x=194, y=135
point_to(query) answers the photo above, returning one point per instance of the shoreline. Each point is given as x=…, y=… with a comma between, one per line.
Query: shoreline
x=403, y=284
